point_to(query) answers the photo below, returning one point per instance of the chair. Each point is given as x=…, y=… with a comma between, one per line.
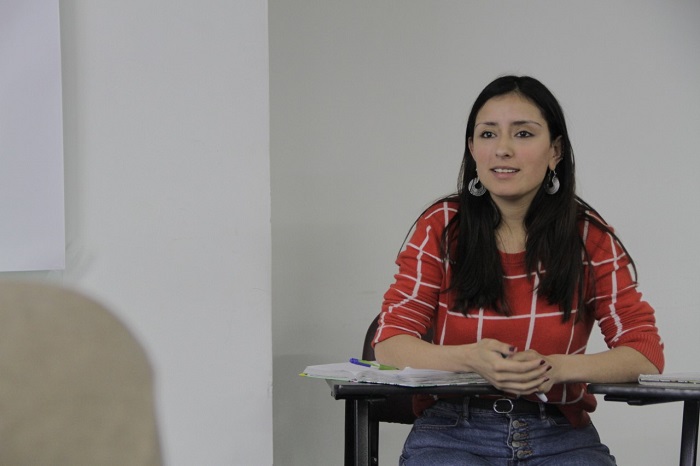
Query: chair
x=76, y=387
x=396, y=408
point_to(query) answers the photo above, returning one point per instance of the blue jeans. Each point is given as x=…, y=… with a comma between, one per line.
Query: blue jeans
x=453, y=434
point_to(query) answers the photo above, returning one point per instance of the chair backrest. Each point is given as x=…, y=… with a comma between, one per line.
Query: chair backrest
x=76, y=388
x=396, y=408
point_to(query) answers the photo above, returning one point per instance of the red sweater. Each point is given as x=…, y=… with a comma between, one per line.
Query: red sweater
x=415, y=303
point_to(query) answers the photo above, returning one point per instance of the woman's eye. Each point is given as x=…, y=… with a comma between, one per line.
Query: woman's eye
x=487, y=134
x=523, y=134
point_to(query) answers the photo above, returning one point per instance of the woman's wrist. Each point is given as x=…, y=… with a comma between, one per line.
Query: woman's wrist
x=621, y=364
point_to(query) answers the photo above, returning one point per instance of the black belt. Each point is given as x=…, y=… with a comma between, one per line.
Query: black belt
x=505, y=405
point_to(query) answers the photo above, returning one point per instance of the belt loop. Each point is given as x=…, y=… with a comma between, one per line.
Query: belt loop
x=465, y=408
x=543, y=411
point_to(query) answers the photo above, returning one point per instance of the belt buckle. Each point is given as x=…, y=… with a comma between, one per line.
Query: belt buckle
x=505, y=410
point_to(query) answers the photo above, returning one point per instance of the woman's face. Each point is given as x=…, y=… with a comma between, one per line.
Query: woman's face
x=512, y=149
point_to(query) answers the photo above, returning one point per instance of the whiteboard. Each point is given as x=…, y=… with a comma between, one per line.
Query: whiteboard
x=32, y=231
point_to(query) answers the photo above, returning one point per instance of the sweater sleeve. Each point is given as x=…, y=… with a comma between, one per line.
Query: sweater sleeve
x=625, y=319
x=411, y=302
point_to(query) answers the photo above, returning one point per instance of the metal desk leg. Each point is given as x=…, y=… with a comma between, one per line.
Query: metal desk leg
x=689, y=434
x=361, y=433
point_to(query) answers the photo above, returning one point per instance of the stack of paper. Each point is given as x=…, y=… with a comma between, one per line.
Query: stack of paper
x=407, y=377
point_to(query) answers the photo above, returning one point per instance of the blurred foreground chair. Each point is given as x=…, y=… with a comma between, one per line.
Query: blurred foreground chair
x=76, y=388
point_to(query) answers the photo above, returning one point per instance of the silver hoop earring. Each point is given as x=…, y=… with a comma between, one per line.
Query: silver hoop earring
x=476, y=188
x=552, y=186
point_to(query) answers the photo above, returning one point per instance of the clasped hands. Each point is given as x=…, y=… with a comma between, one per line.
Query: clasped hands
x=510, y=370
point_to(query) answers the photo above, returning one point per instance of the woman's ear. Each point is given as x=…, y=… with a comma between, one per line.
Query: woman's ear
x=470, y=144
x=556, y=155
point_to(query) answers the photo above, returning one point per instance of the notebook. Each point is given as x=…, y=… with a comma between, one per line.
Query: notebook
x=674, y=379
x=407, y=377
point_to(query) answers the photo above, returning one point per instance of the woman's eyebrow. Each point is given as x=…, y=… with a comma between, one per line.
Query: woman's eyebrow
x=514, y=123
x=526, y=122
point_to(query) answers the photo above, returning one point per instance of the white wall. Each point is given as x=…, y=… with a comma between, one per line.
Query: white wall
x=166, y=126
x=369, y=100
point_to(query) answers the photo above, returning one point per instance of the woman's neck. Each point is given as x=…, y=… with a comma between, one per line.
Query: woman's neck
x=510, y=234
x=510, y=240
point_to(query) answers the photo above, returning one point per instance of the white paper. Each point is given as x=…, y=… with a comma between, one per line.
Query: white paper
x=32, y=232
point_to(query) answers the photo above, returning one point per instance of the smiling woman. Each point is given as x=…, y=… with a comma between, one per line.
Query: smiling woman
x=510, y=274
x=513, y=150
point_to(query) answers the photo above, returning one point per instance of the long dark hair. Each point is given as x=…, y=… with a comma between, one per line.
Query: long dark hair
x=553, y=243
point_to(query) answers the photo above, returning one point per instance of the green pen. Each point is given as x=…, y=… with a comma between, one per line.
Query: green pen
x=381, y=367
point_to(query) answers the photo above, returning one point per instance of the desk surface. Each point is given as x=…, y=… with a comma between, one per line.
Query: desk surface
x=342, y=390
x=635, y=390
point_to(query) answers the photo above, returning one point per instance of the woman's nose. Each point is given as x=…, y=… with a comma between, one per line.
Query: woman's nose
x=504, y=148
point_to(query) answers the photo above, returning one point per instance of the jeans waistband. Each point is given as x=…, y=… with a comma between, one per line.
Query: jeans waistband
x=504, y=405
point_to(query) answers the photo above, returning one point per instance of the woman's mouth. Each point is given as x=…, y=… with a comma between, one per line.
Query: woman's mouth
x=504, y=170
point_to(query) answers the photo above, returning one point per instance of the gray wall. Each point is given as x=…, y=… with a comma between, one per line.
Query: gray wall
x=167, y=190
x=369, y=101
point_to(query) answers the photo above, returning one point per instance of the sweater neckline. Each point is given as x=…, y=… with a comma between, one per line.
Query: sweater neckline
x=516, y=258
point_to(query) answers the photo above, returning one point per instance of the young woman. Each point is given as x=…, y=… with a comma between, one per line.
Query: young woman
x=510, y=274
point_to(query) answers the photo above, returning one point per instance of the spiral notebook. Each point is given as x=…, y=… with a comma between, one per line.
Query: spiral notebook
x=673, y=380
